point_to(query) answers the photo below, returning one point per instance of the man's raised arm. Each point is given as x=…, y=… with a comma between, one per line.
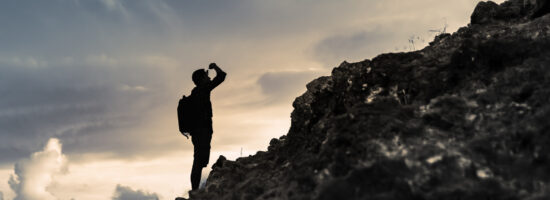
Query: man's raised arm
x=220, y=76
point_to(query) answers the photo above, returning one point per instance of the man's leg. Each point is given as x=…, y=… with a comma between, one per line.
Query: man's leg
x=205, y=149
x=200, y=161
x=201, y=156
x=196, y=172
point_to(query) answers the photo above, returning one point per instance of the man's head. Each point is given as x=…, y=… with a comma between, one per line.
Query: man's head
x=200, y=77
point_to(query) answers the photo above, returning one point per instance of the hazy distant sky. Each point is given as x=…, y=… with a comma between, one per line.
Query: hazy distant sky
x=104, y=78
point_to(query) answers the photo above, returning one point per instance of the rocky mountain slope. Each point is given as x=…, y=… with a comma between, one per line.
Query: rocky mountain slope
x=467, y=117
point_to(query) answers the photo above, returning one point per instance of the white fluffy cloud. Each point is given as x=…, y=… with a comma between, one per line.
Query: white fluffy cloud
x=127, y=193
x=33, y=175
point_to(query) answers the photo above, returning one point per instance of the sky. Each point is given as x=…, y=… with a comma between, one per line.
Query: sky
x=89, y=89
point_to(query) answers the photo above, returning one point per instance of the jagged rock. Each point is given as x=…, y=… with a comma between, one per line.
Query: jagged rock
x=464, y=118
x=490, y=12
x=541, y=7
x=484, y=12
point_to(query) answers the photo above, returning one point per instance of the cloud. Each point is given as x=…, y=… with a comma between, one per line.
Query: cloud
x=35, y=174
x=285, y=85
x=28, y=61
x=94, y=85
x=351, y=47
x=127, y=193
x=82, y=103
x=112, y=4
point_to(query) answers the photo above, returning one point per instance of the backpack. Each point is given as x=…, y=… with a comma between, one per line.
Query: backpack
x=186, y=114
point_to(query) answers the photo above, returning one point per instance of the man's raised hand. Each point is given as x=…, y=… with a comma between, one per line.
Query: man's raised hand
x=212, y=66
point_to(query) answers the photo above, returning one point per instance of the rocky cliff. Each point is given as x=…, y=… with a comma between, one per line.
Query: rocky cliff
x=467, y=117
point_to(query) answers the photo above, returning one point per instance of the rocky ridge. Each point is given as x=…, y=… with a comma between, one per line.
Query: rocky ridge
x=465, y=118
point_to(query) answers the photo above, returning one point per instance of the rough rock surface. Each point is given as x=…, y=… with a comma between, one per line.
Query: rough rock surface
x=467, y=117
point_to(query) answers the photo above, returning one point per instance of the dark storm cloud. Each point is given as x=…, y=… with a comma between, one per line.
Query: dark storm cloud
x=74, y=27
x=75, y=70
x=74, y=103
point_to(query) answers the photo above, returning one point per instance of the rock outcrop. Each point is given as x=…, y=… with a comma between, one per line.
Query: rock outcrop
x=467, y=117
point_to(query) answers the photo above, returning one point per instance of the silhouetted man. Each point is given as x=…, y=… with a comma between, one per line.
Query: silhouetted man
x=201, y=133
